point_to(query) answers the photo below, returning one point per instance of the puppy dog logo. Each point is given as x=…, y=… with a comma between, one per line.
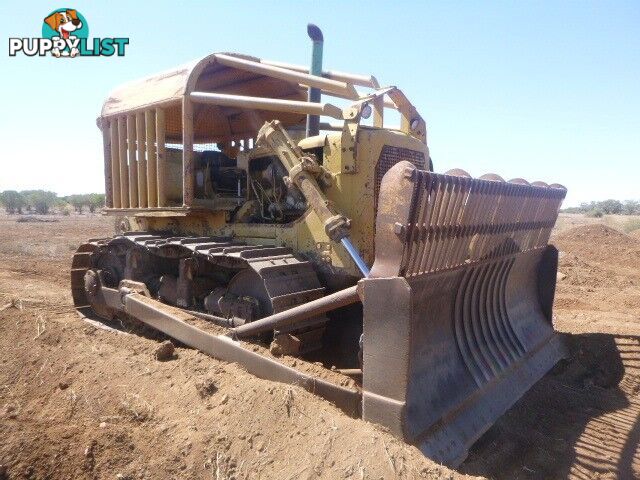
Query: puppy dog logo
x=65, y=34
x=68, y=25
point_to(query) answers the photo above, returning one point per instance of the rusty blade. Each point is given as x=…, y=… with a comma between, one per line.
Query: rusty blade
x=428, y=222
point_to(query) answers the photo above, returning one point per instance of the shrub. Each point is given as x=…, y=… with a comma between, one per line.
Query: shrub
x=95, y=200
x=631, y=207
x=77, y=201
x=611, y=207
x=91, y=200
x=632, y=225
x=607, y=207
x=595, y=213
x=40, y=201
x=13, y=201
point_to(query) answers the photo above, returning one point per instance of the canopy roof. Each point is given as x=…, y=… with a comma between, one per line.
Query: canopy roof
x=228, y=96
x=207, y=74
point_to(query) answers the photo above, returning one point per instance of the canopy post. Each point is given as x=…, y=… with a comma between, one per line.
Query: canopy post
x=152, y=161
x=187, y=152
x=124, y=167
x=115, y=162
x=141, y=135
x=108, y=168
x=161, y=157
x=133, y=163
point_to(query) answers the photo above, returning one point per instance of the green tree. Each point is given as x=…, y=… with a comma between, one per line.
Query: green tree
x=77, y=201
x=95, y=201
x=60, y=203
x=40, y=201
x=611, y=207
x=13, y=201
x=631, y=207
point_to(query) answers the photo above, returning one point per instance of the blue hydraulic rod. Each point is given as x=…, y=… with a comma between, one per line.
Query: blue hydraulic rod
x=355, y=256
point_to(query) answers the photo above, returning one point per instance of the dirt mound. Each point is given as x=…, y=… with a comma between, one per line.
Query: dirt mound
x=36, y=220
x=601, y=265
x=599, y=243
x=598, y=233
x=583, y=271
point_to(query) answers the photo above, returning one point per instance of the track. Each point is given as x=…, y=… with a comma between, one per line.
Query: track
x=274, y=275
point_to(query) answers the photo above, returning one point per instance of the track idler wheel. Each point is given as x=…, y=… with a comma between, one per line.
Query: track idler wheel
x=93, y=288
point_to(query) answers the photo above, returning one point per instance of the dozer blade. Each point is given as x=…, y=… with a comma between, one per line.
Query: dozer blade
x=457, y=310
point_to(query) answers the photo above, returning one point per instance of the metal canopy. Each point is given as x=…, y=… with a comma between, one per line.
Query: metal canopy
x=230, y=74
x=209, y=74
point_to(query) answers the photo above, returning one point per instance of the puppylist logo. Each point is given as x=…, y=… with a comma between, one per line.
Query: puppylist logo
x=65, y=34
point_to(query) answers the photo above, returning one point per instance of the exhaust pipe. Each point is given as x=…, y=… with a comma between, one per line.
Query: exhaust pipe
x=315, y=34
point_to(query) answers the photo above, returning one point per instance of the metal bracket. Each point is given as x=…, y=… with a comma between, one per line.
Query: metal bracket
x=349, y=144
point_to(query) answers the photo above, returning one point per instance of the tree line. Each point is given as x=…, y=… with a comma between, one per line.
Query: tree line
x=607, y=207
x=43, y=202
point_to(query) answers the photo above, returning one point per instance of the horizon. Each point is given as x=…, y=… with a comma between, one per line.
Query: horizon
x=544, y=92
x=63, y=196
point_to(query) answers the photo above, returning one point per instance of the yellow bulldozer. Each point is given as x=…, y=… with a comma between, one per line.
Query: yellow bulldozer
x=257, y=222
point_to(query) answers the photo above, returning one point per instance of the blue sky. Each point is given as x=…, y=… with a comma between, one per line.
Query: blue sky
x=541, y=90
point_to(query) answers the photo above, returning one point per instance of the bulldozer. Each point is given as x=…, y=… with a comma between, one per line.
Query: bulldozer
x=267, y=212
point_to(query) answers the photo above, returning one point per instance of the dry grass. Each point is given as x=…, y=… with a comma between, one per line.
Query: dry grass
x=632, y=225
x=623, y=223
x=15, y=303
x=136, y=408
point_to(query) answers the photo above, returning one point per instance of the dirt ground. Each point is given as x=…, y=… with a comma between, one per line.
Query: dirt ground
x=82, y=402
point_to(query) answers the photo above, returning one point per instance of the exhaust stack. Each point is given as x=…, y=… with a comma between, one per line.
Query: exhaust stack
x=315, y=34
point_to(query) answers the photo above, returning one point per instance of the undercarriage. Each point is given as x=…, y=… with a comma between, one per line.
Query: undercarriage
x=223, y=281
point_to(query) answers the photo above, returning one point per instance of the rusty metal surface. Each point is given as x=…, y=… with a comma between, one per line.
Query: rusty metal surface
x=457, y=312
x=299, y=313
x=80, y=264
x=429, y=222
x=178, y=271
x=287, y=280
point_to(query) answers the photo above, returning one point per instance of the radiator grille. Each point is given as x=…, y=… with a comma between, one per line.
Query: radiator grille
x=388, y=158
